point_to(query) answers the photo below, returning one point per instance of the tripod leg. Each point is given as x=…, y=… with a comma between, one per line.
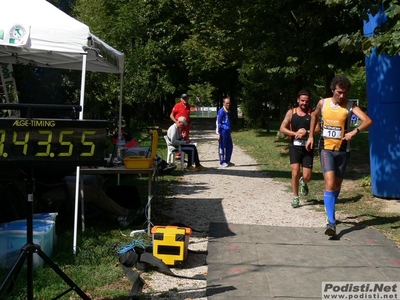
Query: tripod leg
x=27, y=252
x=11, y=276
x=60, y=273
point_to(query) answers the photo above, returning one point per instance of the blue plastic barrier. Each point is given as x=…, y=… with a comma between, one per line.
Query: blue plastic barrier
x=383, y=90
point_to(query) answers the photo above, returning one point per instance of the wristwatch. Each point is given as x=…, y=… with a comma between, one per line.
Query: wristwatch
x=358, y=130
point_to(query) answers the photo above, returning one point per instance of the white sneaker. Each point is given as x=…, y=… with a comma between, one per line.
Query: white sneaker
x=223, y=165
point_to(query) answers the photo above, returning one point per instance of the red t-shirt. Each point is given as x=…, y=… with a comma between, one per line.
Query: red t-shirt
x=181, y=109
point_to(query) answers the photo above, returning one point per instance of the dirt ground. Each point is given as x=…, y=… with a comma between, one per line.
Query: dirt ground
x=240, y=194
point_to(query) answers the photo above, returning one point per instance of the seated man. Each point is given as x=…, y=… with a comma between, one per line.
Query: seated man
x=93, y=193
x=175, y=139
x=111, y=209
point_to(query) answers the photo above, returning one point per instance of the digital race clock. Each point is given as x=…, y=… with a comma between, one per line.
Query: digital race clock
x=52, y=141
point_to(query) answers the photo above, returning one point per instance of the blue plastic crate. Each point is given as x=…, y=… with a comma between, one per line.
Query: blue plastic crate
x=13, y=236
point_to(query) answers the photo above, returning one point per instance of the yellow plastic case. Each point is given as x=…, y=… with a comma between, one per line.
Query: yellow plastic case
x=170, y=243
x=143, y=163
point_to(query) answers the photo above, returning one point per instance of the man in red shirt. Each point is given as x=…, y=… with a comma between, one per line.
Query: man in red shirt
x=182, y=109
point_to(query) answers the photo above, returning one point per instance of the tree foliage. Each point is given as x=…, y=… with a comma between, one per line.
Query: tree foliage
x=259, y=53
x=270, y=49
x=386, y=36
x=149, y=33
x=203, y=94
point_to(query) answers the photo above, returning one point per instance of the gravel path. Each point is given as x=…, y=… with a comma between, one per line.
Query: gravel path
x=239, y=194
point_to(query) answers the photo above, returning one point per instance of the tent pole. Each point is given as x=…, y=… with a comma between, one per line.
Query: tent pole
x=120, y=101
x=121, y=82
x=77, y=182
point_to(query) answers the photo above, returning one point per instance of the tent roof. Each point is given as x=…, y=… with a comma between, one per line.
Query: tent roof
x=36, y=32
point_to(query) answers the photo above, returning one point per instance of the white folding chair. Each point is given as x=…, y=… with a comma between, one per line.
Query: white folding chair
x=171, y=154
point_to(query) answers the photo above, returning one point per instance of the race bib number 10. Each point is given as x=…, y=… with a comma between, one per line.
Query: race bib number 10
x=332, y=132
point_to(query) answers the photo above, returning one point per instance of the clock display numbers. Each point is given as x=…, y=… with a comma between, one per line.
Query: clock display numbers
x=41, y=141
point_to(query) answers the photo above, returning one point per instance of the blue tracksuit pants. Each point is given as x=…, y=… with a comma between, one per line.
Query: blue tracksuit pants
x=225, y=147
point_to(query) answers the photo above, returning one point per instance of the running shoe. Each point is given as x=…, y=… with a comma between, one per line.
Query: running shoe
x=231, y=164
x=330, y=229
x=191, y=168
x=200, y=167
x=303, y=187
x=296, y=202
x=223, y=165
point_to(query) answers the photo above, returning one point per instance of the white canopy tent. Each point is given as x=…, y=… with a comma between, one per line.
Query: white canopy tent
x=37, y=33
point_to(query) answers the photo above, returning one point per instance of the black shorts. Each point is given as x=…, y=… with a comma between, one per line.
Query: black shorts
x=299, y=155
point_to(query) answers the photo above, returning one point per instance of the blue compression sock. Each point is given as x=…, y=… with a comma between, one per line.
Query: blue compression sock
x=329, y=201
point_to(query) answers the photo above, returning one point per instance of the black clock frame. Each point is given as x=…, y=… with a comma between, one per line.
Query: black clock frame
x=52, y=141
x=40, y=141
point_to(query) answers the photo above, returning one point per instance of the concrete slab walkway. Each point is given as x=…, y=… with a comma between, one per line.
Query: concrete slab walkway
x=268, y=262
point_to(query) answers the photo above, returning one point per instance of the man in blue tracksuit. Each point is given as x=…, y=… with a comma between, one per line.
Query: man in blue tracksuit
x=224, y=128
